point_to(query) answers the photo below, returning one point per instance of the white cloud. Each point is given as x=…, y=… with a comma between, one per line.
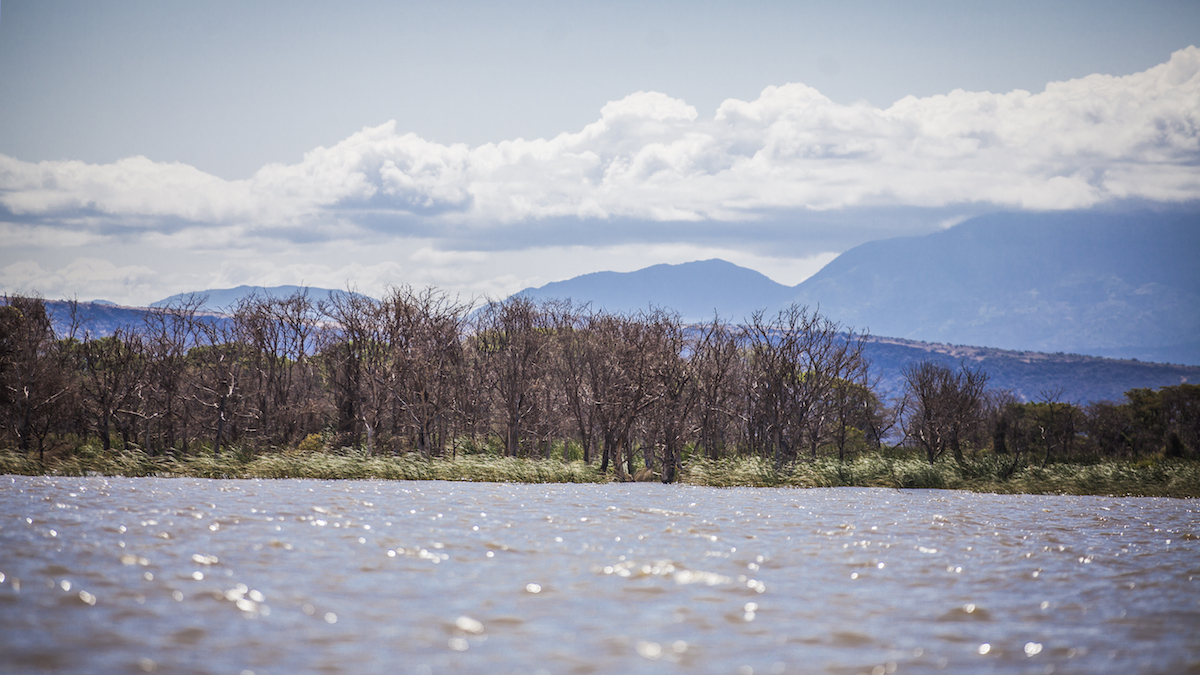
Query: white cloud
x=18, y=234
x=774, y=184
x=651, y=157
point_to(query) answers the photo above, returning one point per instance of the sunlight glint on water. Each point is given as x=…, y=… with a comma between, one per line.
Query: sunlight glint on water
x=158, y=575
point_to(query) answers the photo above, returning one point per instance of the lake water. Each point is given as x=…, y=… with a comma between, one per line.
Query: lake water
x=114, y=575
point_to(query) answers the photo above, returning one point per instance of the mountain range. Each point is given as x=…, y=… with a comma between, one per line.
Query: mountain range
x=226, y=299
x=1048, y=293
x=1124, y=285
x=696, y=290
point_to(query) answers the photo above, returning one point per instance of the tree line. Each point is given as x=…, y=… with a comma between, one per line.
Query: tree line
x=422, y=372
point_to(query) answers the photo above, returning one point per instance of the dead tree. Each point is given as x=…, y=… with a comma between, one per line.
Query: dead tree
x=34, y=382
x=512, y=342
x=945, y=406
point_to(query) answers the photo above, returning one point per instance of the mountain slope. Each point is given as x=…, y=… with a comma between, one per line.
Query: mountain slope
x=226, y=299
x=98, y=319
x=1105, y=284
x=694, y=289
x=1082, y=379
x=1119, y=284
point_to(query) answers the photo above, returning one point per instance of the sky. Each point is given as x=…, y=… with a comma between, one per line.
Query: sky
x=152, y=148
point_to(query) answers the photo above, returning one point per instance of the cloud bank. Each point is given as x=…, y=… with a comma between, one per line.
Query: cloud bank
x=654, y=161
x=651, y=157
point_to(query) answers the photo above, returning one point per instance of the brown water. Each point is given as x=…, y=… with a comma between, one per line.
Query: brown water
x=110, y=575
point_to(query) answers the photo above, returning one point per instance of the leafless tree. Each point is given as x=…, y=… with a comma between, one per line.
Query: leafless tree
x=675, y=390
x=571, y=349
x=946, y=406
x=428, y=368
x=512, y=342
x=794, y=360
x=853, y=405
x=167, y=335
x=217, y=364
x=31, y=367
x=719, y=376
x=113, y=372
x=621, y=355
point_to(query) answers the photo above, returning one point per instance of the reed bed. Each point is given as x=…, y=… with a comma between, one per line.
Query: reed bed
x=1144, y=478
x=1147, y=477
x=348, y=464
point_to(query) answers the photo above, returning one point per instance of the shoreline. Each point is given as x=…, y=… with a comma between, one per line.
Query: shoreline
x=1173, y=478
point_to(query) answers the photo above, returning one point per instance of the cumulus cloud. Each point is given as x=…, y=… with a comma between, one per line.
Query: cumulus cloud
x=650, y=157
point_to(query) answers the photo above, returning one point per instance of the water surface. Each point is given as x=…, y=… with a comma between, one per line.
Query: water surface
x=195, y=576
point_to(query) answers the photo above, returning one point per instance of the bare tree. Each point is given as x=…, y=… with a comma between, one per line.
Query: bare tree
x=946, y=405
x=854, y=406
x=719, y=372
x=113, y=370
x=512, y=341
x=675, y=390
x=571, y=342
x=621, y=355
x=358, y=355
x=300, y=401
x=33, y=378
x=427, y=364
x=218, y=362
x=795, y=359
x=835, y=380
x=168, y=333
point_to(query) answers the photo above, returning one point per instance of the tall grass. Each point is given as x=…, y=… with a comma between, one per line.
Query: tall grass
x=1148, y=478
x=988, y=473
x=346, y=464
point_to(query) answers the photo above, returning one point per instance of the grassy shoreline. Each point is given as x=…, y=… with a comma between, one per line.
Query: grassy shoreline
x=1143, y=478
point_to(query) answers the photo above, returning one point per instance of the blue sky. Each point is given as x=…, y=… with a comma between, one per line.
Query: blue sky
x=148, y=148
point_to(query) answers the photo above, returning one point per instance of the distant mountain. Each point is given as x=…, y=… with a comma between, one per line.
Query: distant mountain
x=696, y=290
x=101, y=317
x=226, y=299
x=97, y=318
x=1122, y=285
x=1082, y=379
x=1107, y=284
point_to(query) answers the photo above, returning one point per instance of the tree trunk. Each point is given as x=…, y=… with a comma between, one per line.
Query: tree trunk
x=220, y=425
x=105, y=440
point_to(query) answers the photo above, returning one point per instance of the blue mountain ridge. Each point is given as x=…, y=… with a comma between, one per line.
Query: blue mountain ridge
x=226, y=299
x=696, y=290
x=1085, y=284
x=1123, y=285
